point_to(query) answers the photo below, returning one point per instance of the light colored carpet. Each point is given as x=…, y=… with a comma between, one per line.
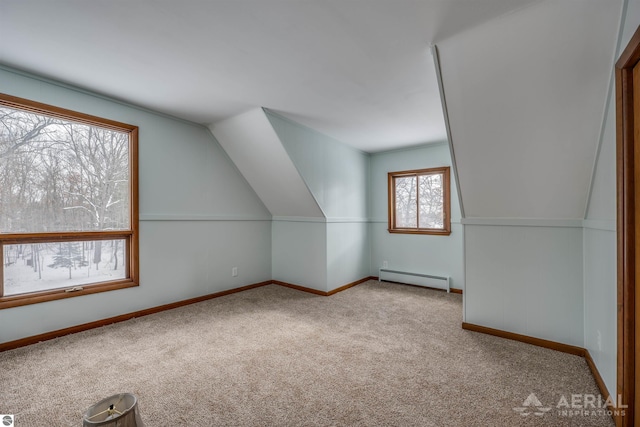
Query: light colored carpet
x=378, y=354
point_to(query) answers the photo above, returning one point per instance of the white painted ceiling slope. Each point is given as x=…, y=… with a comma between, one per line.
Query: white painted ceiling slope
x=249, y=139
x=359, y=70
x=526, y=80
x=526, y=96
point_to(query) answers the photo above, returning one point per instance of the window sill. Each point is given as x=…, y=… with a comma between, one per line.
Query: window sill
x=427, y=232
x=56, y=294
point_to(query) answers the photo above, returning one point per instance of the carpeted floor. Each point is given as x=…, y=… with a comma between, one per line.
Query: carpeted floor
x=378, y=354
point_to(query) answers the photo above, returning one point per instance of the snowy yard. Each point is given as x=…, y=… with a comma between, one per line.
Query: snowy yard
x=32, y=268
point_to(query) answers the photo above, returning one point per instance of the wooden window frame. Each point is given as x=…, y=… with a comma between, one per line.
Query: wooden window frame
x=445, y=172
x=130, y=236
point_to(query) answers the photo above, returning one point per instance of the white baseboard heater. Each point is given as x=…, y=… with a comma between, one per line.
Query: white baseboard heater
x=426, y=280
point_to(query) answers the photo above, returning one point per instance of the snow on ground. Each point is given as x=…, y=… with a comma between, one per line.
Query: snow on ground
x=20, y=278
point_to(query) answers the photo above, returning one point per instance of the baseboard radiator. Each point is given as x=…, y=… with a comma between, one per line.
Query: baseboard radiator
x=426, y=280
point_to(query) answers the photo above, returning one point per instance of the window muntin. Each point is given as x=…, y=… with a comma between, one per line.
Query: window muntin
x=68, y=203
x=419, y=201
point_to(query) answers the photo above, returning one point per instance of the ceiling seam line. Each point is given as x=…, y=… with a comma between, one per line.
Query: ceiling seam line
x=445, y=113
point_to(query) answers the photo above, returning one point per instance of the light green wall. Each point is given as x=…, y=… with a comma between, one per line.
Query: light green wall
x=336, y=175
x=348, y=253
x=299, y=253
x=351, y=188
x=439, y=255
x=599, y=259
x=198, y=216
x=599, y=250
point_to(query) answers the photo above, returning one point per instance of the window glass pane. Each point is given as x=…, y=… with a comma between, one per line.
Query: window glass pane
x=32, y=267
x=56, y=175
x=406, y=203
x=431, y=201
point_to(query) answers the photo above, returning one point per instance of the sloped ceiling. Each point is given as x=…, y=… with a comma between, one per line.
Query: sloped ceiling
x=525, y=80
x=253, y=145
x=526, y=97
x=358, y=70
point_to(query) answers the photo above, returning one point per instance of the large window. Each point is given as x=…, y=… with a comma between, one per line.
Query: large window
x=419, y=201
x=68, y=203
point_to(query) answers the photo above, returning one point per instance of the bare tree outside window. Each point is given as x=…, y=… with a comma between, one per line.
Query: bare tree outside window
x=406, y=197
x=67, y=209
x=419, y=201
x=61, y=176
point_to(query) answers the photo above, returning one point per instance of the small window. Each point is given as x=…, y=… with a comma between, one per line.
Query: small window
x=68, y=203
x=419, y=201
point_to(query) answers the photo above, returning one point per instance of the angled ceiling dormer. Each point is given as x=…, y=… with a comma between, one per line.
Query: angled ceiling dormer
x=526, y=96
x=253, y=145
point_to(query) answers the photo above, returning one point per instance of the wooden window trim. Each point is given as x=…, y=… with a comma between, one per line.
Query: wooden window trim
x=446, y=230
x=130, y=236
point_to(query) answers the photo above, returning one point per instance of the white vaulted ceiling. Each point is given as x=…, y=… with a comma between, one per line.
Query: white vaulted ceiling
x=525, y=80
x=359, y=70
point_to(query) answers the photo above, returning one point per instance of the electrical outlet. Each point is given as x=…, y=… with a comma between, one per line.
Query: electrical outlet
x=599, y=340
x=385, y=264
x=234, y=271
